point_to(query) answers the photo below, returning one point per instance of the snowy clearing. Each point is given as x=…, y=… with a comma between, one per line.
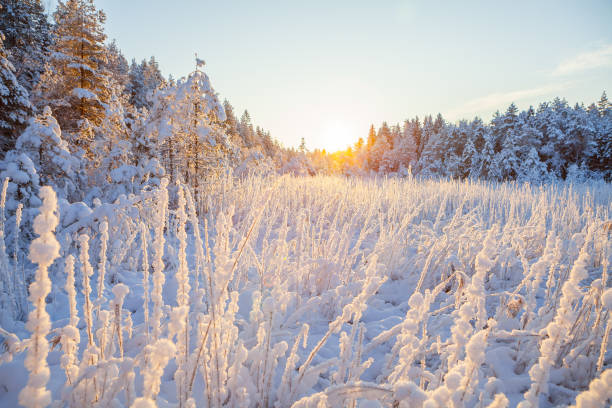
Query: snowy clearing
x=324, y=291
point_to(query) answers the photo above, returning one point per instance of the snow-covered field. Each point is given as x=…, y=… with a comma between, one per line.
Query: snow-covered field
x=316, y=292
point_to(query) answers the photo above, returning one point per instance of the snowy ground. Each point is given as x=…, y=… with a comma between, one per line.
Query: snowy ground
x=332, y=292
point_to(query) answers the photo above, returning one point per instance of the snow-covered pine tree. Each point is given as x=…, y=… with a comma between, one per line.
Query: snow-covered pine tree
x=370, y=140
x=270, y=147
x=417, y=136
x=116, y=64
x=143, y=80
x=74, y=83
x=27, y=38
x=469, y=158
x=153, y=77
x=431, y=162
x=578, y=144
x=381, y=145
x=451, y=158
x=504, y=132
x=390, y=159
x=359, y=154
x=426, y=131
x=529, y=143
x=15, y=108
x=135, y=86
x=604, y=105
x=246, y=130
x=601, y=155
x=186, y=123
x=478, y=133
x=552, y=119
x=531, y=168
x=487, y=169
x=231, y=124
x=455, y=145
x=404, y=150
x=42, y=142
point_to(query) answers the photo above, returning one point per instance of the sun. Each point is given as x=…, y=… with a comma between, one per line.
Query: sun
x=337, y=135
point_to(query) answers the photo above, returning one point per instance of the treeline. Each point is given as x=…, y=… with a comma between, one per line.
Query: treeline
x=554, y=141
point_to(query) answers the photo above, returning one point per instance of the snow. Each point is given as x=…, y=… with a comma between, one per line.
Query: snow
x=124, y=174
x=72, y=213
x=45, y=248
x=360, y=331
x=82, y=93
x=600, y=391
x=43, y=252
x=606, y=299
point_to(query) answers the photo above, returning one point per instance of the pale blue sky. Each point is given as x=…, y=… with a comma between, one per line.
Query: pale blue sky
x=325, y=70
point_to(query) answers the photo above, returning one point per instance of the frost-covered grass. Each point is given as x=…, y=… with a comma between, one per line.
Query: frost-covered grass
x=315, y=292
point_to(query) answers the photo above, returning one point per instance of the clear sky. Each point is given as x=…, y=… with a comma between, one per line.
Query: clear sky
x=325, y=69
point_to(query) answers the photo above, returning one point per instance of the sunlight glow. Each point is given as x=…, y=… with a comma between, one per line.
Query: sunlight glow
x=337, y=135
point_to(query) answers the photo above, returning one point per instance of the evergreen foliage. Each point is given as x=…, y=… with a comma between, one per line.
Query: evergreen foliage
x=75, y=84
x=28, y=38
x=15, y=107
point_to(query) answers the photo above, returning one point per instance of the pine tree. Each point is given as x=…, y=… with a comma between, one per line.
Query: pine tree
x=370, y=142
x=359, y=145
x=15, y=107
x=578, y=144
x=506, y=132
x=246, y=130
x=439, y=123
x=469, y=158
x=426, y=132
x=116, y=64
x=395, y=136
x=371, y=137
x=381, y=145
x=531, y=168
x=404, y=153
x=43, y=143
x=152, y=75
x=485, y=169
x=187, y=124
x=554, y=120
x=27, y=38
x=75, y=84
x=454, y=141
x=135, y=88
x=601, y=155
x=143, y=80
x=431, y=162
x=270, y=147
x=231, y=121
x=417, y=135
x=603, y=104
x=503, y=126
